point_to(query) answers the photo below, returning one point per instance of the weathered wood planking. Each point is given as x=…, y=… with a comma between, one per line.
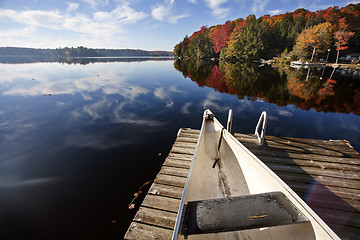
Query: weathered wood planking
x=157, y=215
x=326, y=174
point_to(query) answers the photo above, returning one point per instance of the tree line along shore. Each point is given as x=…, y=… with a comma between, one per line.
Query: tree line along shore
x=300, y=35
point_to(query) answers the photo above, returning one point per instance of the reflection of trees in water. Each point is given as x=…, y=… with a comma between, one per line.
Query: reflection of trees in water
x=77, y=60
x=248, y=79
x=322, y=93
x=301, y=85
x=286, y=86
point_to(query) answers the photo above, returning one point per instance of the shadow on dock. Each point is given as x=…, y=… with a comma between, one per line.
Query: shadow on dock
x=325, y=174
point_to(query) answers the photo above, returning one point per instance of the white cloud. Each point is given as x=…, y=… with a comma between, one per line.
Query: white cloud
x=86, y=97
x=285, y=113
x=24, y=32
x=218, y=11
x=275, y=12
x=96, y=3
x=128, y=92
x=37, y=18
x=185, y=108
x=160, y=93
x=259, y=5
x=211, y=101
x=72, y=6
x=159, y=13
x=123, y=116
x=60, y=104
x=164, y=94
x=94, y=108
x=314, y=5
x=39, y=27
x=15, y=181
x=122, y=13
x=192, y=1
x=110, y=82
x=98, y=141
x=215, y=3
x=169, y=104
x=164, y=12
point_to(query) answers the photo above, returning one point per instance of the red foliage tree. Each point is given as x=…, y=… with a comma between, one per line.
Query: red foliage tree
x=202, y=31
x=216, y=79
x=220, y=35
x=331, y=14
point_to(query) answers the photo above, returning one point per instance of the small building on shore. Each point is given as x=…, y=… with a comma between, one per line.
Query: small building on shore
x=352, y=56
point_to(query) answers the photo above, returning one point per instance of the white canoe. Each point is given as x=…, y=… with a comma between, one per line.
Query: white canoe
x=239, y=197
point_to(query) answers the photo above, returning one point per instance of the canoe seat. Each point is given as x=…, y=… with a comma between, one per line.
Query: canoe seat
x=239, y=213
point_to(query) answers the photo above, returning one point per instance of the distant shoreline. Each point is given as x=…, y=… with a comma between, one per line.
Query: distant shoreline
x=80, y=52
x=23, y=59
x=121, y=57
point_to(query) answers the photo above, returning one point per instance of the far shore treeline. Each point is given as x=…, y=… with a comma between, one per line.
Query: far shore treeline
x=298, y=34
x=80, y=52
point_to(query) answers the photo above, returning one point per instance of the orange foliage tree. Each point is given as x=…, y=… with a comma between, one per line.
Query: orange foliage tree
x=342, y=37
x=316, y=37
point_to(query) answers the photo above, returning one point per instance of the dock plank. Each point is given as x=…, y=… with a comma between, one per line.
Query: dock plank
x=311, y=163
x=181, y=156
x=307, y=146
x=352, y=185
x=308, y=156
x=179, y=163
x=186, y=139
x=140, y=231
x=174, y=171
x=341, y=175
x=304, y=189
x=161, y=202
x=183, y=150
x=170, y=180
x=166, y=190
x=296, y=141
x=156, y=217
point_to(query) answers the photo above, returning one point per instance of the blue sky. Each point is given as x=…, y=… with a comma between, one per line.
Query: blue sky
x=137, y=24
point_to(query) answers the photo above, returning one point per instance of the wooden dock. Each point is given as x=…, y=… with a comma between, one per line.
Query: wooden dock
x=325, y=173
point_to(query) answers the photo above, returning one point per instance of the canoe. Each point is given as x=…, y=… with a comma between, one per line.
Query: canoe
x=231, y=194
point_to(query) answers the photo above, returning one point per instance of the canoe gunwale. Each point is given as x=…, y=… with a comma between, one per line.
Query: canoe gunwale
x=181, y=207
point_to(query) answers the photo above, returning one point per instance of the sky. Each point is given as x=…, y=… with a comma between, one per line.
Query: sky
x=134, y=24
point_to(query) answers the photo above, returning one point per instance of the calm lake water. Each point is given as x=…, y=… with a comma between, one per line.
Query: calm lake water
x=78, y=140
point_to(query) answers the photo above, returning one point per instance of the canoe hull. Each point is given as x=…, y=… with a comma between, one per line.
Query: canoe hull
x=238, y=172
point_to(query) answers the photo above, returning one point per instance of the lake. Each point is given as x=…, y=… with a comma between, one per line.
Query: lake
x=78, y=138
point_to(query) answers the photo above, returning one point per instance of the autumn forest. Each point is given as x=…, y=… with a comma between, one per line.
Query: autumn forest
x=297, y=33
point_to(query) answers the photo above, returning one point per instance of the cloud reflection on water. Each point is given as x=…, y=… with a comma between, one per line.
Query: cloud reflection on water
x=107, y=96
x=15, y=181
